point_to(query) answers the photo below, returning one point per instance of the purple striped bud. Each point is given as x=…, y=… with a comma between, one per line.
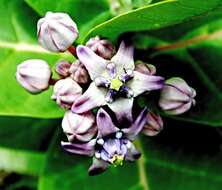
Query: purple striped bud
x=66, y=91
x=62, y=68
x=176, y=96
x=79, y=73
x=101, y=47
x=144, y=68
x=79, y=127
x=33, y=75
x=154, y=124
x=56, y=31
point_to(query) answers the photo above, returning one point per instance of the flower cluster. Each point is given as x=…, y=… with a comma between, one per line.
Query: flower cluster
x=112, y=81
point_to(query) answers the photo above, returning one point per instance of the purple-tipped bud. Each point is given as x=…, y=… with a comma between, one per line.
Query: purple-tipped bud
x=144, y=68
x=101, y=47
x=154, y=125
x=56, y=31
x=62, y=68
x=176, y=96
x=79, y=127
x=79, y=73
x=66, y=91
x=33, y=75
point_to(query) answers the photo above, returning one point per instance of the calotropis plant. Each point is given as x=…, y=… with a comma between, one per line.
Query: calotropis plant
x=112, y=81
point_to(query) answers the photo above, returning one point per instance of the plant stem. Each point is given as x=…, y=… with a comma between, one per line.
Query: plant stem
x=52, y=81
x=72, y=50
x=191, y=41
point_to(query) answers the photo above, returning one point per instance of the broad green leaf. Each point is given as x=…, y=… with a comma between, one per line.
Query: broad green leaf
x=181, y=158
x=155, y=16
x=23, y=142
x=15, y=132
x=20, y=161
x=198, y=61
x=168, y=162
x=176, y=32
x=18, y=42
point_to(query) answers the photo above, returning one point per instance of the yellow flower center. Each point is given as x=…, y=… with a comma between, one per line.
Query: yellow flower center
x=116, y=84
x=117, y=160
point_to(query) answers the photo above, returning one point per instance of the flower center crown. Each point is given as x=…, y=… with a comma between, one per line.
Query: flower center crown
x=116, y=84
x=117, y=160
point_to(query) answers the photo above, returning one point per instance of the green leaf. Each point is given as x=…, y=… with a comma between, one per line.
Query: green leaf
x=197, y=59
x=178, y=159
x=20, y=161
x=155, y=16
x=168, y=161
x=23, y=142
x=15, y=132
x=18, y=42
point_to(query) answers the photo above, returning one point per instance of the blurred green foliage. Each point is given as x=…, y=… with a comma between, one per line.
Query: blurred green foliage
x=182, y=38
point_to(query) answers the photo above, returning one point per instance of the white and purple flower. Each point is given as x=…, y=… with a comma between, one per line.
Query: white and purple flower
x=115, y=82
x=56, y=31
x=112, y=145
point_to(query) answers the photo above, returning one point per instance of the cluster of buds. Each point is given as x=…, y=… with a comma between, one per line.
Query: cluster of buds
x=113, y=80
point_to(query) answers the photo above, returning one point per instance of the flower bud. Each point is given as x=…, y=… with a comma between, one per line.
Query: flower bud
x=79, y=127
x=101, y=47
x=66, y=91
x=56, y=31
x=79, y=73
x=154, y=125
x=144, y=68
x=62, y=68
x=33, y=75
x=176, y=97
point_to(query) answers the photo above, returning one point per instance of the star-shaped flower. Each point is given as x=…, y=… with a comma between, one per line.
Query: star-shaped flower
x=113, y=145
x=114, y=82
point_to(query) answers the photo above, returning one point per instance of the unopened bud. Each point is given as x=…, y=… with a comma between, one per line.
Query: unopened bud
x=79, y=127
x=56, y=31
x=62, y=68
x=79, y=73
x=33, y=75
x=154, y=124
x=144, y=68
x=66, y=91
x=176, y=96
x=101, y=47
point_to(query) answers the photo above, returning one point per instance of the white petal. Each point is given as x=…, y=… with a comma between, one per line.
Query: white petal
x=93, y=97
x=142, y=83
x=94, y=64
x=122, y=107
x=124, y=57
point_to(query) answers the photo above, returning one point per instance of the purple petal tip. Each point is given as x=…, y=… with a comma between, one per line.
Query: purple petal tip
x=80, y=49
